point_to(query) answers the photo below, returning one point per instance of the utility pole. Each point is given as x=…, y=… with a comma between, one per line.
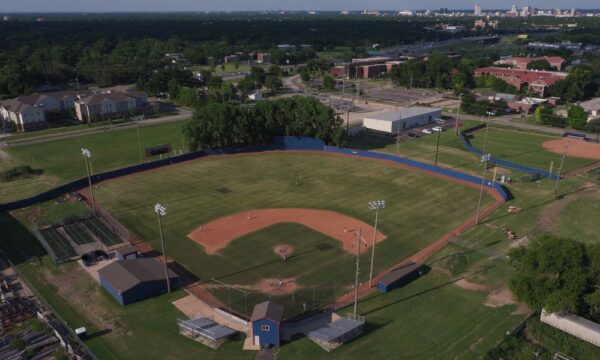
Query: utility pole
x=458, y=113
x=140, y=143
x=358, y=238
x=560, y=169
x=440, y=122
x=398, y=142
x=160, y=212
x=87, y=154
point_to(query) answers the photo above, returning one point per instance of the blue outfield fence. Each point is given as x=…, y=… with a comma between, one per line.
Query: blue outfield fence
x=280, y=143
x=505, y=163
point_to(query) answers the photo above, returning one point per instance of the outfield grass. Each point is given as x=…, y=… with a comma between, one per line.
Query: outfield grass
x=193, y=194
x=431, y=318
x=524, y=148
x=61, y=160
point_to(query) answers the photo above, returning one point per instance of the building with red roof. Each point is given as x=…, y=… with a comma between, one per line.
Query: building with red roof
x=537, y=82
x=521, y=62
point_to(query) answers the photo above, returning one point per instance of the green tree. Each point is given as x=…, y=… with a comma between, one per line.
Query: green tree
x=577, y=117
x=273, y=83
x=304, y=74
x=539, y=64
x=550, y=273
x=543, y=114
x=173, y=89
x=328, y=83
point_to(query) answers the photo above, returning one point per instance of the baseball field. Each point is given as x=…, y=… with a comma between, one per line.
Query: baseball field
x=198, y=195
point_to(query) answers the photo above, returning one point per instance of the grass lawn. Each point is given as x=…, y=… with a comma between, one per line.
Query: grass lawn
x=579, y=219
x=429, y=318
x=452, y=153
x=524, y=148
x=61, y=160
x=193, y=194
x=229, y=68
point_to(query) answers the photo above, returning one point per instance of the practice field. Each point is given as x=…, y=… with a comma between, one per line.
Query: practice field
x=404, y=97
x=201, y=191
x=524, y=148
x=61, y=160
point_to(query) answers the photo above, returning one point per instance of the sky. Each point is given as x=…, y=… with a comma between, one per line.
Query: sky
x=241, y=5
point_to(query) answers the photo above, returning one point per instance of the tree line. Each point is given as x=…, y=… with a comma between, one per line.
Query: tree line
x=558, y=275
x=222, y=125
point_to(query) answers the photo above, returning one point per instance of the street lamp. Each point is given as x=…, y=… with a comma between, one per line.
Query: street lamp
x=358, y=240
x=160, y=212
x=484, y=159
x=87, y=154
x=374, y=205
x=440, y=122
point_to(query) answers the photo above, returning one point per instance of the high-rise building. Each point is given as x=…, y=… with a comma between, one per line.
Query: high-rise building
x=513, y=9
x=477, y=9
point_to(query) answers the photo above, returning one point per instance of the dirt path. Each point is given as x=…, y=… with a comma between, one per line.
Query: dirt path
x=575, y=148
x=217, y=234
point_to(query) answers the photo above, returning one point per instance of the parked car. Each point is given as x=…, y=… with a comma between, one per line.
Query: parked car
x=437, y=128
x=426, y=131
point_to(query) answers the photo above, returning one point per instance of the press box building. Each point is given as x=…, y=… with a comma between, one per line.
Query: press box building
x=391, y=122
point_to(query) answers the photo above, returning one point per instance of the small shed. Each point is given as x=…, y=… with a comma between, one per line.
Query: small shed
x=266, y=324
x=127, y=252
x=399, y=277
x=133, y=280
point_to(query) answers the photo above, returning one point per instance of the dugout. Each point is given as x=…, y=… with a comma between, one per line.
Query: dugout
x=266, y=324
x=133, y=280
x=399, y=277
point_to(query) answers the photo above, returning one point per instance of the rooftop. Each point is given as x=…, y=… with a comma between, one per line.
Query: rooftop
x=398, y=273
x=593, y=104
x=267, y=310
x=124, y=275
x=404, y=113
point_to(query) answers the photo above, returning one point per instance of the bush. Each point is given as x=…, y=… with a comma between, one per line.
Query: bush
x=19, y=172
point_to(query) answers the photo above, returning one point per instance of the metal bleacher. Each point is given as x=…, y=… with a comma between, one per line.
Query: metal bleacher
x=206, y=328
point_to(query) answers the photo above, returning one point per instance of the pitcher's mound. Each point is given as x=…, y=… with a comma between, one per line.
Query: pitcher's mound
x=283, y=249
x=277, y=285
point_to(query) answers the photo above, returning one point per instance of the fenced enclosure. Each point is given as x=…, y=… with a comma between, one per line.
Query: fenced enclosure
x=74, y=237
x=297, y=302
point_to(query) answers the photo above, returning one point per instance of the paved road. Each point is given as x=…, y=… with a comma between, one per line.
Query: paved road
x=181, y=115
x=506, y=121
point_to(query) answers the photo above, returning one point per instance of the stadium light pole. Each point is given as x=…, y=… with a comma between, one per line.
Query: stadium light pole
x=374, y=205
x=440, y=122
x=87, y=154
x=484, y=159
x=560, y=169
x=458, y=114
x=160, y=212
x=358, y=238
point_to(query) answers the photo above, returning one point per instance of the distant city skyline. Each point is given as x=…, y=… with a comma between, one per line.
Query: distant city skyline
x=256, y=5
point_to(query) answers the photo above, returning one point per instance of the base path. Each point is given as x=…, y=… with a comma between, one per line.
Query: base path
x=575, y=148
x=217, y=234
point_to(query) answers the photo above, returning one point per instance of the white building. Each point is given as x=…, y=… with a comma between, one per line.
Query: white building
x=392, y=122
x=592, y=107
x=106, y=105
x=24, y=116
x=477, y=9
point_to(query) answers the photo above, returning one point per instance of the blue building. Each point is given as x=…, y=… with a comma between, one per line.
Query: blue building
x=133, y=280
x=400, y=276
x=266, y=323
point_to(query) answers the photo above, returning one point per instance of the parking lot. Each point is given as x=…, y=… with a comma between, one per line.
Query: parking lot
x=405, y=97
